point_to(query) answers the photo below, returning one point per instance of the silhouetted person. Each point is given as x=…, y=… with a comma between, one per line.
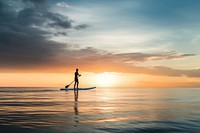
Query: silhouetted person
x=76, y=75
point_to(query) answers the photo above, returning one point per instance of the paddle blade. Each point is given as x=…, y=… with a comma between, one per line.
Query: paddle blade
x=66, y=86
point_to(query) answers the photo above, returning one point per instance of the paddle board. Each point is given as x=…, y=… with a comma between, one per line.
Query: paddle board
x=90, y=88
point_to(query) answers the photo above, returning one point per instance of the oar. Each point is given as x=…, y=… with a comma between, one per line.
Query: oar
x=69, y=84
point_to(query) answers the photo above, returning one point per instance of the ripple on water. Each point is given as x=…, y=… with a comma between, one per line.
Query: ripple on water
x=100, y=110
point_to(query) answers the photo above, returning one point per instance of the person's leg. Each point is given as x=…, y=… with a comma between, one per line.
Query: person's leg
x=75, y=85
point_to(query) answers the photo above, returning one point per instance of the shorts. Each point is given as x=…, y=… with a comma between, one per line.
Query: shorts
x=76, y=79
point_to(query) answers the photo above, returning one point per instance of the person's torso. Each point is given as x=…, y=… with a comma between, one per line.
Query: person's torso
x=76, y=74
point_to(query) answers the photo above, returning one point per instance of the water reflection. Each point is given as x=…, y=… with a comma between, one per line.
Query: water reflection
x=76, y=94
x=76, y=117
x=99, y=110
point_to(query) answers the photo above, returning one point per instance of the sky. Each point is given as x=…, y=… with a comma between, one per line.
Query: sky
x=114, y=43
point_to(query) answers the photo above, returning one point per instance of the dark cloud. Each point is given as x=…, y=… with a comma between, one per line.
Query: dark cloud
x=82, y=26
x=37, y=16
x=39, y=4
x=23, y=37
x=64, y=24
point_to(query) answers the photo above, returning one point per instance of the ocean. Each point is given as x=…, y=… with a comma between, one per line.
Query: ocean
x=101, y=110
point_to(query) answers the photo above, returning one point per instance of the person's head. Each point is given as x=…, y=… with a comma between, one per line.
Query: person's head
x=77, y=70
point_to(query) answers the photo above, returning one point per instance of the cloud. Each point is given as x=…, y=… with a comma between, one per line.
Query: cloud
x=25, y=46
x=37, y=16
x=92, y=60
x=141, y=57
x=24, y=34
x=63, y=4
x=169, y=84
x=81, y=26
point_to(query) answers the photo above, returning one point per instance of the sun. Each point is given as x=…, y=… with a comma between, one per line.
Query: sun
x=106, y=79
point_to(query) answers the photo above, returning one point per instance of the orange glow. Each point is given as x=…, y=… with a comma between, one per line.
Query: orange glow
x=106, y=79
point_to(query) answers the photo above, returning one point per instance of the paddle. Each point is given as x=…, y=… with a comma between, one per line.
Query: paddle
x=69, y=84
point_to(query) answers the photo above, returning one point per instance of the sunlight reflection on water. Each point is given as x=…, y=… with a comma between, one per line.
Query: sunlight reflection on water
x=99, y=110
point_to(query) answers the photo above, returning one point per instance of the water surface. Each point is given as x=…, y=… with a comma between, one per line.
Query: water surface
x=103, y=110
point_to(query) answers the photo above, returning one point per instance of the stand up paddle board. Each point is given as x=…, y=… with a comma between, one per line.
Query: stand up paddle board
x=90, y=88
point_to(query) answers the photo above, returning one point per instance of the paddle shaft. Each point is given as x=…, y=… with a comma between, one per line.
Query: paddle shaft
x=69, y=84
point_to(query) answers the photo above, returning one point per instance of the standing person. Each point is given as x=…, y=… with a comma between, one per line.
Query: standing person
x=76, y=75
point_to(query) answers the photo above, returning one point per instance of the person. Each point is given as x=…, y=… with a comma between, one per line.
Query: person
x=76, y=75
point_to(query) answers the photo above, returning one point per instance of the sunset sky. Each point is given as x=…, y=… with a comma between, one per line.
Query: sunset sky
x=114, y=43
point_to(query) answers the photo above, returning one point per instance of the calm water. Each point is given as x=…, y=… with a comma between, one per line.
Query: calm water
x=102, y=110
